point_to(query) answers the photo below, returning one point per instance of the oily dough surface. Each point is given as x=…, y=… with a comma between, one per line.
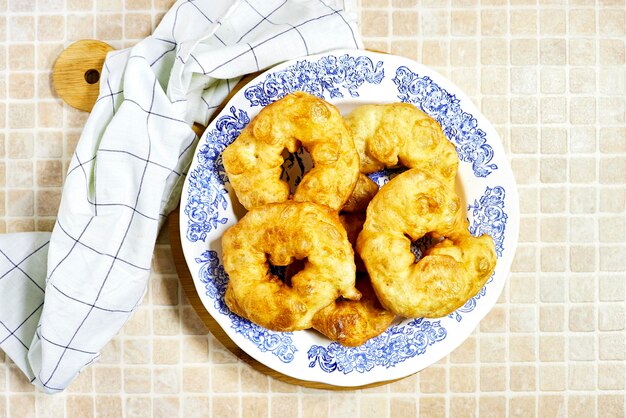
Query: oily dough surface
x=392, y=135
x=351, y=322
x=399, y=134
x=254, y=160
x=281, y=233
x=323, y=249
x=411, y=205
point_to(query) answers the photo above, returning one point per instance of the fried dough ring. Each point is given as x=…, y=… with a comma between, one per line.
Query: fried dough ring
x=394, y=134
x=282, y=233
x=411, y=205
x=254, y=160
x=351, y=323
x=353, y=224
x=363, y=193
x=397, y=134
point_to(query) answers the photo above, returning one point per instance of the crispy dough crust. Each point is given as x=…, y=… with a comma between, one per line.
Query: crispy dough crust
x=282, y=233
x=398, y=134
x=254, y=160
x=363, y=193
x=411, y=205
x=394, y=134
x=349, y=322
x=352, y=323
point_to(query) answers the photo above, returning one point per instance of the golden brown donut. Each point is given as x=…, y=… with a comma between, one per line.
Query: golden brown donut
x=411, y=205
x=353, y=224
x=254, y=160
x=451, y=272
x=352, y=323
x=363, y=193
x=399, y=134
x=280, y=233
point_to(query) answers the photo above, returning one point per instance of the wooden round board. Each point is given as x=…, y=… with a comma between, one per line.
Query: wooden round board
x=76, y=72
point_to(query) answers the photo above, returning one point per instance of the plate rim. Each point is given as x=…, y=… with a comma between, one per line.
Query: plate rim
x=481, y=310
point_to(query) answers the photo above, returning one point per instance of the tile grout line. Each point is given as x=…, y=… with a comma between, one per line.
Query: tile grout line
x=567, y=305
x=5, y=129
x=536, y=345
x=596, y=231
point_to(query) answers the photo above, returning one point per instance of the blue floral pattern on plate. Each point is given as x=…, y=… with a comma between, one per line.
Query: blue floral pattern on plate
x=215, y=279
x=207, y=210
x=396, y=345
x=324, y=77
x=489, y=216
x=459, y=126
x=206, y=182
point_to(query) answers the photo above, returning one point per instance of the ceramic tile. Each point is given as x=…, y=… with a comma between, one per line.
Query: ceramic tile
x=405, y=23
x=551, y=405
x=491, y=406
x=611, y=288
x=80, y=406
x=581, y=406
x=22, y=406
x=523, y=406
x=582, y=376
x=492, y=379
x=432, y=406
x=582, y=347
x=375, y=24
x=522, y=378
x=611, y=346
x=523, y=22
x=137, y=379
x=166, y=406
x=582, y=22
x=256, y=406
x=374, y=406
x=50, y=28
x=432, y=380
x=108, y=379
x=137, y=406
x=493, y=22
x=548, y=74
x=167, y=380
x=403, y=407
x=284, y=406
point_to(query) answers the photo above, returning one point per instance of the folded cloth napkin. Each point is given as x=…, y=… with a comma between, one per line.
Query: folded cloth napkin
x=64, y=295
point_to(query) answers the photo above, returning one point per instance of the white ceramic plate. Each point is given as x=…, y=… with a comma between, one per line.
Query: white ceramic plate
x=348, y=78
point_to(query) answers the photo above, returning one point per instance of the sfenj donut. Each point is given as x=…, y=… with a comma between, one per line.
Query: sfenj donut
x=280, y=233
x=254, y=160
x=410, y=206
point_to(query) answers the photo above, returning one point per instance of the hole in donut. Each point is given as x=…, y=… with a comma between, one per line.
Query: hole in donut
x=285, y=273
x=419, y=246
x=296, y=165
x=278, y=271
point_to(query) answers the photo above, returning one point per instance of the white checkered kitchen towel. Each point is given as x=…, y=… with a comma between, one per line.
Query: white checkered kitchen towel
x=64, y=296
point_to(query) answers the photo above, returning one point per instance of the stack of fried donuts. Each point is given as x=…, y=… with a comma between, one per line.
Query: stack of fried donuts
x=336, y=210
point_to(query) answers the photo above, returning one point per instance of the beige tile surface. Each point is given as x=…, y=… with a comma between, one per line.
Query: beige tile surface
x=549, y=74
